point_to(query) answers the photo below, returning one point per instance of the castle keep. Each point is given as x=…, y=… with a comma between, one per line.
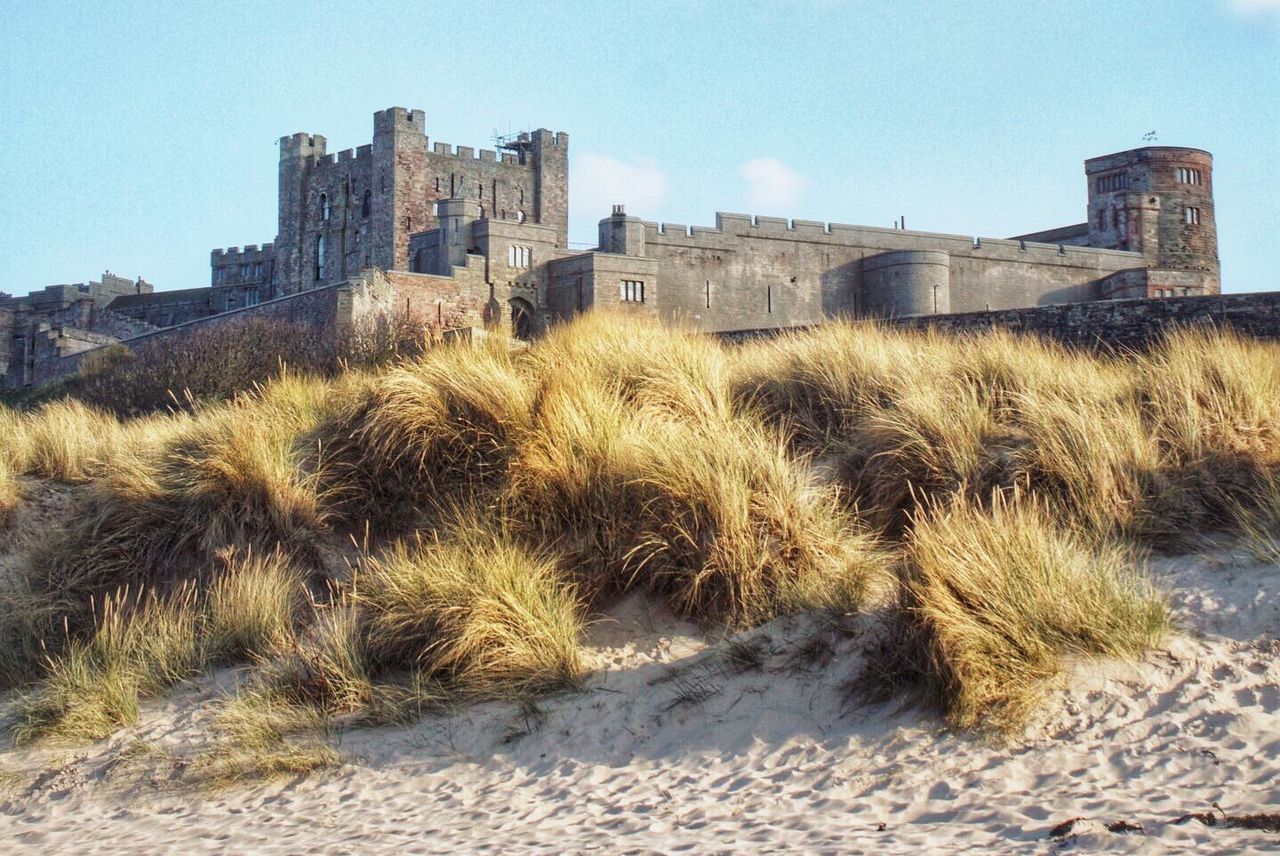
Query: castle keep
x=479, y=239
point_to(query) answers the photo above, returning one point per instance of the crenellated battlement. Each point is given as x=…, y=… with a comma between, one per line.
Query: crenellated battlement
x=301, y=145
x=731, y=226
x=468, y=153
x=236, y=255
x=399, y=120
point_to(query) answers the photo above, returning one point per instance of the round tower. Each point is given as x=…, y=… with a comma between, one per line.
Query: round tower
x=455, y=217
x=907, y=282
x=1158, y=201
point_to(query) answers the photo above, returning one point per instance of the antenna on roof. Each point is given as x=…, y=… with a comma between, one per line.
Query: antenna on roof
x=513, y=141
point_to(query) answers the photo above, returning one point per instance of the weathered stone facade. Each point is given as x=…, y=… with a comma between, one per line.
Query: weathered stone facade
x=1108, y=325
x=339, y=216
x=58, y=320
x=467, y=239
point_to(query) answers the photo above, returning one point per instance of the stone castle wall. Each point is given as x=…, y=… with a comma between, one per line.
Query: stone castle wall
x=1107, y=324
x=767, y=272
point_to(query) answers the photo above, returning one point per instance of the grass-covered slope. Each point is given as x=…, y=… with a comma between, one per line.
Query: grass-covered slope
x=374, y=541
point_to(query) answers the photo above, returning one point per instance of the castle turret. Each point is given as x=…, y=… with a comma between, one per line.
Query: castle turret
x=399, y=176
x=622, y=234
x=551, y=181
x=455, y=216
x=298, y=154
x=1157, y=201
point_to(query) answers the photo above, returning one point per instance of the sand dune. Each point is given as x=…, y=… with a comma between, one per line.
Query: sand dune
x=683, y=744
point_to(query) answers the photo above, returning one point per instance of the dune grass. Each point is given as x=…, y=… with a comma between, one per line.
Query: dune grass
x=476, y=609
x=995, y=600
x=10, y=494
x=423, y=435
x=313, y=525
x=252, y=606
x=140, y=646
x=233, y=478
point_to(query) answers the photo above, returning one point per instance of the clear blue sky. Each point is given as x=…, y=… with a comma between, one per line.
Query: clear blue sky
x=139, y=136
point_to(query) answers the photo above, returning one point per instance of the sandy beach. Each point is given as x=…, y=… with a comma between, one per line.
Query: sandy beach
x=682, y=743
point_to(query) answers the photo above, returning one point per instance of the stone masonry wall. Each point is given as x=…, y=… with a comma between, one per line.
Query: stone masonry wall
x=1105, y=324
x=767, y=272
x=1122, y=324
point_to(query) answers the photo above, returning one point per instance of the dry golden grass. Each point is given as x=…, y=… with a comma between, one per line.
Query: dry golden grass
x=715, y=516
x=736, y=484
x=10, y=493
x=682, y=374
x=994, y=601
x=1259, y=520
x=423, y=434
x=190, y=488
x=65, y=441
x=140, y=646
x=252, y=606
x=474, y=608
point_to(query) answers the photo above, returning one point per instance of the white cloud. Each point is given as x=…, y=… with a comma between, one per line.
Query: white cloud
x=600, y=182
x=771, y=185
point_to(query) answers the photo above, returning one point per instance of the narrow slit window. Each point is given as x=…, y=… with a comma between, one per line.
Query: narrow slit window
x=319, y=257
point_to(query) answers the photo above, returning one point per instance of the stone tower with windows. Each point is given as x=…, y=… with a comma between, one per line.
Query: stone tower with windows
x=340, y=215
x=1158, y=201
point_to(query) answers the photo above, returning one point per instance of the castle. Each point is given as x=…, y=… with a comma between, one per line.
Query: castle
x=480, y=239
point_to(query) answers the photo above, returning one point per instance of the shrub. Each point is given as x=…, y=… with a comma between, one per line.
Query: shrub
x=219, y=360
x=476, y=608
x=993, y=601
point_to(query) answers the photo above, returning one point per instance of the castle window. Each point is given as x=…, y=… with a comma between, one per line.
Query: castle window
x=257, y=271
x=251, y=297
x=1186, y=175
x=480, y=189
x=1191, y=216
x=519, y=256
x=228, y=301
x=367, y=204
x=519, y=216
x=319, y=257
x=1102, y=218
x=324, y=206
x=1111, y=183
x=631, y=291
